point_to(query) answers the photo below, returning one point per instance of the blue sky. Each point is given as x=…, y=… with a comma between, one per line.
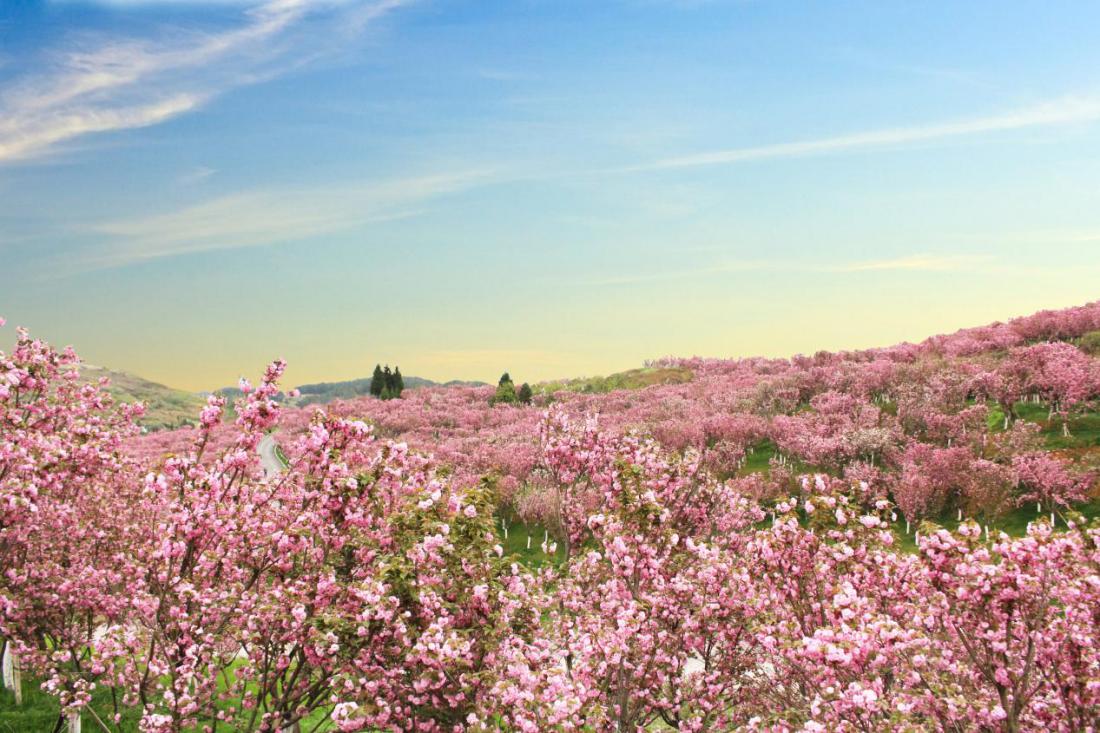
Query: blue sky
x=188, y=189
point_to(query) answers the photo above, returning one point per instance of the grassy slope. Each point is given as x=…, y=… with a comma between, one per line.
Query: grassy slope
x=165, y=407
x=1083, y=442
x=630, y=379
x=40, y=710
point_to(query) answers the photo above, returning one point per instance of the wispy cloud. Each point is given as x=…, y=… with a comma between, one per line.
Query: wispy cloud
x=1063, y=111
x=927, y=262
x=196, y=175
x=266, y=217
x=917, y=262
x=667, y=275
x=97, y=83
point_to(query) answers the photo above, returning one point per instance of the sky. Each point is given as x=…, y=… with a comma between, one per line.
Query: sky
x=545, y=187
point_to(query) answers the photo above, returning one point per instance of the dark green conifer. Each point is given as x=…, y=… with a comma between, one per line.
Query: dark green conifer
x=377, y=381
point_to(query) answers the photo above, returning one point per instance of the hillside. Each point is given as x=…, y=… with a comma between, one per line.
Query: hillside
x=933, y=480
x=630, y=379
x=166, y=407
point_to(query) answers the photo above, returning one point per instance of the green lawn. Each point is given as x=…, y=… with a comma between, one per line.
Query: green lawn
x=39, y=712
x=516, y=543
x=1084, y=429
x=759, y=461
x=1014, y=524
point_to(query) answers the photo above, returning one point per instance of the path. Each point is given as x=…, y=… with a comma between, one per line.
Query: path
x=269, y=456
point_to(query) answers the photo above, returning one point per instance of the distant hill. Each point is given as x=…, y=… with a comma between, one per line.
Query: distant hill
x=322, y=392
x=172, y=408
x=165, y=407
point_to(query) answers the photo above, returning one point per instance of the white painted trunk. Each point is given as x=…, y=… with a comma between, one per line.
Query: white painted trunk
x=9, y=667
x=528, y=542
x=74, y=722
x=12, y=677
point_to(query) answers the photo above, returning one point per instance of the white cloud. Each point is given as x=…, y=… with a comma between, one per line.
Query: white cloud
x=265, y=217
x=1057, y=112
x=197, y=174
x=98, y=84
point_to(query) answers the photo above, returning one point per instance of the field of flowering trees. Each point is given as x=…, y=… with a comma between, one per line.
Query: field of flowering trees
x=894, y=539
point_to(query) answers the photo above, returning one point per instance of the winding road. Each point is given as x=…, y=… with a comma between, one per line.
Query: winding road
x=269, y=456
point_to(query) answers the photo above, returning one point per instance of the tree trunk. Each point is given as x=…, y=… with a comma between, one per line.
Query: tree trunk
x=7, y=666
x=11, y=674
x=74, y=722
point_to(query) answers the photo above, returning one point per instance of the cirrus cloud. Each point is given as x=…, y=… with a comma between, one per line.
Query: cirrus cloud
x=98, y=83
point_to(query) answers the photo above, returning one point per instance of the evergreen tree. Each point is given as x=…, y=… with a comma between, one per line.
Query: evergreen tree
x=398, y=382
x=377, y=381
x=506, y=391
x=387, y=380
x=525, y=393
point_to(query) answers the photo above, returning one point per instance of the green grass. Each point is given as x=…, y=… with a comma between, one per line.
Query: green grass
x=1084, y=429
x=759, y=461
x=39, y=712
x=631, y=379
x=1014, y=524
x=165, y=407
x=516, y=543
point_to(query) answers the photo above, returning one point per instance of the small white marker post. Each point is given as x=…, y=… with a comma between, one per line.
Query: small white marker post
x=528, y=541
x=8, y=667
x=12, y=678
